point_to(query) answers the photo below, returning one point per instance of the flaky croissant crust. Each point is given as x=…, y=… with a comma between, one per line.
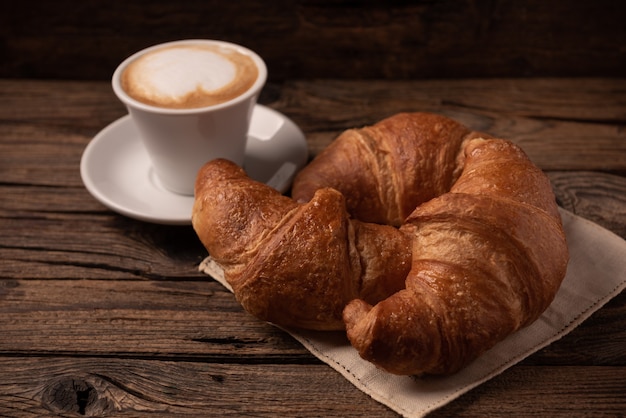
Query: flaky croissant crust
x=296, y=265
x=479, y=253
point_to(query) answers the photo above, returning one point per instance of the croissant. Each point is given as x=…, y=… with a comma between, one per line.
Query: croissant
x=385, y=171
x=296, y=265
x=428, y=242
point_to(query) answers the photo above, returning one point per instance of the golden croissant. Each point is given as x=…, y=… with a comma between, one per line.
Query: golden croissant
x=427, y=242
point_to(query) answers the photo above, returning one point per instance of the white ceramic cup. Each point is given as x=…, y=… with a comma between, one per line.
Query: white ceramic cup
x=180, y=140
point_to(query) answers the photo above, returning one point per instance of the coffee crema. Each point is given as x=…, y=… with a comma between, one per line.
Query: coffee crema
x=187, y=76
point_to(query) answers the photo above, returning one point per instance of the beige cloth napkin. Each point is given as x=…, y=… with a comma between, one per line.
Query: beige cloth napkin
x=596, y=273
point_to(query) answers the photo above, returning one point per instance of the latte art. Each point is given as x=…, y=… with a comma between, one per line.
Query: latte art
x=189, y=76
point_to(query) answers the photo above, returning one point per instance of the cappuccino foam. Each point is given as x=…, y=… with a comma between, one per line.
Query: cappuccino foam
x=189, y=76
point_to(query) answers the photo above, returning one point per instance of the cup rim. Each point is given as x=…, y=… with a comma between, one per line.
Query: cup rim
x=130, y=101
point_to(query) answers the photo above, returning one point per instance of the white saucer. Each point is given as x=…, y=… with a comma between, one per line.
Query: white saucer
x=117, y=171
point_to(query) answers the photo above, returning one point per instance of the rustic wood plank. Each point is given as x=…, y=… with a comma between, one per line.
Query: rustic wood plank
x=37, y=242
x=326, y=39
x=34, y=386
x=598, y=197
x=590, y=99
x=128, y=318
x=103, y=386
x=545, y=392
x=201, y=320
x=553, y=120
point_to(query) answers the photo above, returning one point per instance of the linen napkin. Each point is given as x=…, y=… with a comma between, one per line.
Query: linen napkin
x=595, y=274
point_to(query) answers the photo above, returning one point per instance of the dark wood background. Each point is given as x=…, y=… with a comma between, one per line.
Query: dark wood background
x=84, y=40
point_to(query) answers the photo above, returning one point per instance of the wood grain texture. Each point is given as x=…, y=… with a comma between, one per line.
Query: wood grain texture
x=199, y=319
x=595, y=196
x=119, y=387
x=101, y=315
x=326, y=39
x=553, y=125
x=554, y=120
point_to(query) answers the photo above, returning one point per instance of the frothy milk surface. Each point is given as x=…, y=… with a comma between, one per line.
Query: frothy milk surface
x=189, y=76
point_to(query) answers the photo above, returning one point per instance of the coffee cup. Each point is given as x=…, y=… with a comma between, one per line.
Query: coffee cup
x=191, y=101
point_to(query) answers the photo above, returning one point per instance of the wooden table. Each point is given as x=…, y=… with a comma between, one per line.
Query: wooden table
x=105, y=315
